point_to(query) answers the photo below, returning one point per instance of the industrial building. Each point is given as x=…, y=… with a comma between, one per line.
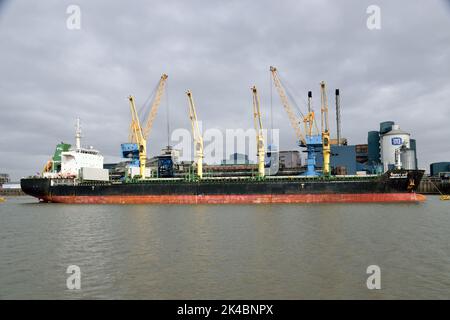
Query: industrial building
x=11, y=186
x=391, y=147
x=4, y=178
x=237, y=158
x=174, y=153
x=346, y=159
x=289, y=159
x=386, y=149
x=8, y=188
x=440, y=169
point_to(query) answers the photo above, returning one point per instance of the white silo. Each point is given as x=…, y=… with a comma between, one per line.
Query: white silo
x=408, y=158
x=390, y=142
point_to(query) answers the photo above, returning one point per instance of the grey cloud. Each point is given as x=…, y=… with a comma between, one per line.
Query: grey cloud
x=218, y=49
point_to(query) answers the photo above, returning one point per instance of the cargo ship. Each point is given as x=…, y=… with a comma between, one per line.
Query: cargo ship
x=393, y=186
x=78, y=175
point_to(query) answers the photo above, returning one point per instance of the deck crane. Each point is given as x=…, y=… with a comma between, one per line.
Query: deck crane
x=313, y=138
x=132, y=148
x=284, y=100
x=198, y=139
x=326, y=149
x=148, y=123
x=139, y=136
x=312, y=141
x=259, y=132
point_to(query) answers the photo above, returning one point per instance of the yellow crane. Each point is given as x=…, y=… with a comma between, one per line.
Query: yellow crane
x=139, y=136
x=326, y=149
x=259, y=132
x=312, y=141
x=310, y=119
x=285, y=101
x=148, y=124
x=198, y=139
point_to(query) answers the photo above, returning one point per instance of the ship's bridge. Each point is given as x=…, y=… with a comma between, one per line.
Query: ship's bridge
x=72, y=161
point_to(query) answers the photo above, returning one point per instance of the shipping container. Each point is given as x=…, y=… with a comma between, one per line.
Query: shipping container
x=94, y=174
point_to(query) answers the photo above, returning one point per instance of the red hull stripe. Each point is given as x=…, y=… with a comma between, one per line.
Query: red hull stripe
x=251, y=198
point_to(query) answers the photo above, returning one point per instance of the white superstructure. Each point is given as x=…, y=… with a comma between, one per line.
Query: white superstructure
x=75, y=159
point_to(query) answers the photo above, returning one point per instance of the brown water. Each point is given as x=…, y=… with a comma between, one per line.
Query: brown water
x=224, y=251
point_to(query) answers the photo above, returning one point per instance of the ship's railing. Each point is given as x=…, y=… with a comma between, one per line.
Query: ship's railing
x=94, y=183
x=340, y=178
x=324, y=178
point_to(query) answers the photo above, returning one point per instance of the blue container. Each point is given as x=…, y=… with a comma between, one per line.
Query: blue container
x=130, y=150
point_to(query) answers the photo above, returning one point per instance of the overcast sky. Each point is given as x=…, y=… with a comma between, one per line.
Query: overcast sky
x=49, y=74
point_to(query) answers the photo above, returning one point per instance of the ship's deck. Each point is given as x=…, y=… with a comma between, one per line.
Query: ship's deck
x=252, y=179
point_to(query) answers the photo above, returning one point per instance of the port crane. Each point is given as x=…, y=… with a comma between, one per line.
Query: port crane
x=148, y=123
x=313, y=140
x=326, y=149
x=197, y=136
x=139, y=133
x=259, y=132
x=287, y=107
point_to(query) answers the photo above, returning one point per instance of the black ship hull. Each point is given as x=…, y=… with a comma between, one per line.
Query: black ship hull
x=393, y=186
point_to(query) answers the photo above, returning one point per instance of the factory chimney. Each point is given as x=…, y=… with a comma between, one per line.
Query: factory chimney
x=338, y=117
x=309, y=100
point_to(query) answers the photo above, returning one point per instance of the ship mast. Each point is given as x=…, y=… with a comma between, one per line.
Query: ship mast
x=78, y=134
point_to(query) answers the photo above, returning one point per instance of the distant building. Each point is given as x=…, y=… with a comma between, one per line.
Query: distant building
x=11, y=185
x=175, y=153
x=289, y=159
x=185, y=166
x=4, y=178
x=440, y=169
x=237, y=158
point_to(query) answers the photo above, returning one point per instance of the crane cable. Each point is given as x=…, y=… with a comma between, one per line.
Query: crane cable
x=143, y=113
x=167, y=115
x=271, y=109
x=288, y=91
x=144, y=110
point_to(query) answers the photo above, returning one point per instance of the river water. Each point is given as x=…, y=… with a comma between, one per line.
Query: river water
x=318, y=251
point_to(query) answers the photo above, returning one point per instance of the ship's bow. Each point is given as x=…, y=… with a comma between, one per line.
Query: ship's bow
x=36, y=187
